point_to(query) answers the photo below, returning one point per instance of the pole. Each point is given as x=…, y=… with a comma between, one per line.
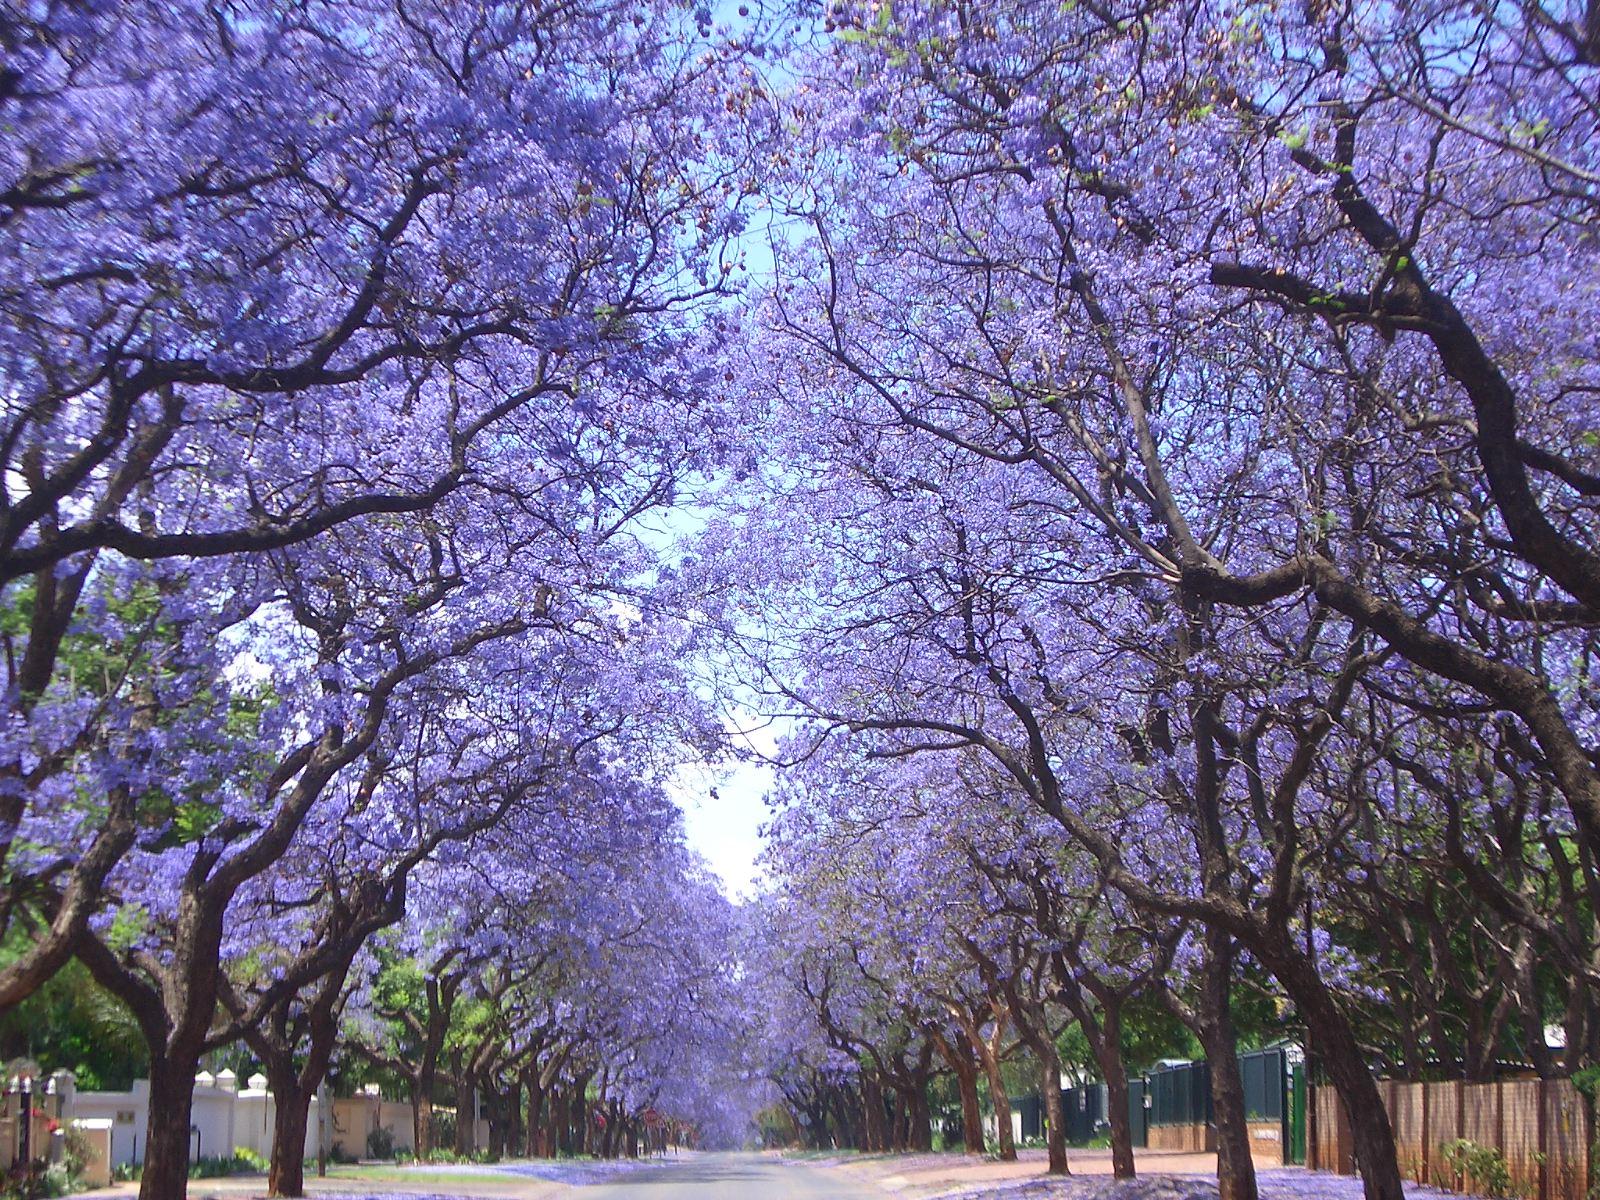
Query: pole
x=322, y=1130
x=27, y=1123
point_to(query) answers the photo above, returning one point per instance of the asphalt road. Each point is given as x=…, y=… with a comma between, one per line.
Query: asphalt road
x=730, y=1177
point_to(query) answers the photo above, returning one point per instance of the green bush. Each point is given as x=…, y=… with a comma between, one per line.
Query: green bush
x=40, y=1182
x=1484, y=1165
x=444, y=1128
x=242, y=1161
x=380, y=1143
x=75, y=1152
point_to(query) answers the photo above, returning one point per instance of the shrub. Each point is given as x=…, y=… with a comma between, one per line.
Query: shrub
x=1484, y=1165
x=444, y=1128
x=241, y=1162
x=75, y=1152
x=380, y=1143
x=39, y=1182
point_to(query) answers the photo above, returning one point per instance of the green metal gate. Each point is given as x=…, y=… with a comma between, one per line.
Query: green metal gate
x=1297, y=1115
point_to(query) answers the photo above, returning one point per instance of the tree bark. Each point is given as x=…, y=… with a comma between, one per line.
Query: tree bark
x=293, y=1085
x=558, y=1129
x=919, y=1119
x=1102, y=1028
x=511, y=1122
x=1340, y=1055
x=422, y=1115
x=286, y=1173
x=1122, y=1163
x=874, y=1118
x=466, y=1103
x=971, y=1112
x=167, y=1131
x=494, y=1109
x=989, y=1056
x=1236, y=1173
x=958, y=1054
x=531, y=1147
x=1055, y=1114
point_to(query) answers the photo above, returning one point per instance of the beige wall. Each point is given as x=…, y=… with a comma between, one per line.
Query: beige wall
x=1266, y=1140
x=354, y=1117
x=1192, y=1139
x=225, y=1118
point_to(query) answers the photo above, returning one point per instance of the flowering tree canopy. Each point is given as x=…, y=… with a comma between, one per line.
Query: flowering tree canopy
x=1148, y=474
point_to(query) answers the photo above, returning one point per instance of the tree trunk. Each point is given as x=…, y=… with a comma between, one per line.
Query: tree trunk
x=1107, y=1045
x=466, y=1106
x=286, y=1174
x=1122, y=1166
x=422, y=1115
x=877, y=1139
x=532, y=1148
x=582, y=1126
x=167, y=1137
x=1055, y=1115
x=294, y=1085
x=854, y=1115
x=494, y=1110
x=958, y=1054
x=1236, y=1173
x=919, y=1118
x=557, y=1128
x=1005, y=1138
x=839, y=1105
x=1340, y=1055
x=511, y=1140
x=971, y=1111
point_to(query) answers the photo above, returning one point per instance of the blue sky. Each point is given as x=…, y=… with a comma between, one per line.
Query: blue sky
x=724, y=827
x=724, y=808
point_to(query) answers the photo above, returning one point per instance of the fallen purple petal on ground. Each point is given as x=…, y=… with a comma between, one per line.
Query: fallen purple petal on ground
x=1274, y=1185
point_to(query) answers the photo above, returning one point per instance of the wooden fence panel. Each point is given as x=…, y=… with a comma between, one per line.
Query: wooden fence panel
x=1519, y=1132
x=1335, y=1148
x=1540, y=1128
x=1404, y=1102
x=1566, y=1141
x=1445, y=1120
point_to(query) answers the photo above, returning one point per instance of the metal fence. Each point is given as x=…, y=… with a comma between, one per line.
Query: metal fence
x=1138, y=1114
x=1031, y=1111
x=1266, y=1074
x=1083, y=1111
x=1177, y=1094
x=1180, y=1094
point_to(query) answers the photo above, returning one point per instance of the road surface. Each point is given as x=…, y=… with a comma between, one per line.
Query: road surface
x=730, y=1177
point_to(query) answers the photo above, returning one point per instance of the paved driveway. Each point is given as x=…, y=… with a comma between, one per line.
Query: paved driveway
x=692, y=1177
x=731, y=1177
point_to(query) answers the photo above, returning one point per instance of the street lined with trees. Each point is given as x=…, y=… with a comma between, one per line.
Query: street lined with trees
x=1132, y=468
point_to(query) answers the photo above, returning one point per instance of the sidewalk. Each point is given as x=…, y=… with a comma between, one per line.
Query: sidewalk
x=514, y=1180
x=1163, y=1175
